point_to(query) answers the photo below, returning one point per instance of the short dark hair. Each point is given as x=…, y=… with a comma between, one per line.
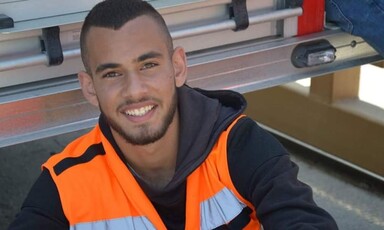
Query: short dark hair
x=113, y=14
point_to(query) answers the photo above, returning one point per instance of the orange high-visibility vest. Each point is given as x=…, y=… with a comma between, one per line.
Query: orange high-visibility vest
x=97, y=191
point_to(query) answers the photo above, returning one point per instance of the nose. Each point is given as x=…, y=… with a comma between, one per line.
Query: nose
x=134, y=86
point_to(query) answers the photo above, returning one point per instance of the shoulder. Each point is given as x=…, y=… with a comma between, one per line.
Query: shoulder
x=82, y=150
x=253, y=154
x=65, y=161
x=248, y=141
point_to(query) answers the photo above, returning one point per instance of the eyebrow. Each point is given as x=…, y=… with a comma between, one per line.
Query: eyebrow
x=105, y=66
x=141, y=58
x=148, y=55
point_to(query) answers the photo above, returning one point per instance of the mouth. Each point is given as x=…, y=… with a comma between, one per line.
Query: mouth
x=139, y=112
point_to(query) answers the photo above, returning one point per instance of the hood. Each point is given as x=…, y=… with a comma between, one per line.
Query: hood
x=203, y=116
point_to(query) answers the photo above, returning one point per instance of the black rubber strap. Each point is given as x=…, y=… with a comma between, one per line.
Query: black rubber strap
x=52, y=46
x=6, y=22
x=238, y=11
x=294, y=3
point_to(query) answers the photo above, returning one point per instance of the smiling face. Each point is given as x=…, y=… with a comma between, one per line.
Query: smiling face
x=134, y=79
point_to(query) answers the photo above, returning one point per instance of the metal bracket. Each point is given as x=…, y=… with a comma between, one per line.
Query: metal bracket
x=238, y=12
x=51, y=45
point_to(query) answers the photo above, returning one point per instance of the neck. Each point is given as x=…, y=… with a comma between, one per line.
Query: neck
x=155, y=163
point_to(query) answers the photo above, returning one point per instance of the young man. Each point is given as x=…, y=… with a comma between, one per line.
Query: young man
x=163, y=155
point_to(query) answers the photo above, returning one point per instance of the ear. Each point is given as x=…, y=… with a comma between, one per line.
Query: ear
x=86, y=83
x=179, y=60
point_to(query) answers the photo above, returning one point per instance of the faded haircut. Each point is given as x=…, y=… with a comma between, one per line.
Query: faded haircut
x=113, y=14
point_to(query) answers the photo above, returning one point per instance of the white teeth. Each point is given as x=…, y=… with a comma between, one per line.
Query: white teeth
x=139, y=112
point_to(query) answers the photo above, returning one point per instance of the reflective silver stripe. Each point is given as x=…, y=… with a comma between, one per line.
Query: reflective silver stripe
x=219, y=209
x=116, y=224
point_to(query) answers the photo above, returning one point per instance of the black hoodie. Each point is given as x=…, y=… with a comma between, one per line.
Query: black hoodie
x=259, y=166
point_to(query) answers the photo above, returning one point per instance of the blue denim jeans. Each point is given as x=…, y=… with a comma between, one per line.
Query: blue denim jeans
x=363, y=18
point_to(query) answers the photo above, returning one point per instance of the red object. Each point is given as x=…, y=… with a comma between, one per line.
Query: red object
x=312, y=19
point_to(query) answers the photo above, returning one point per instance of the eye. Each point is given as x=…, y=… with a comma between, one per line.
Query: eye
x=149, y=65
x=111, y=74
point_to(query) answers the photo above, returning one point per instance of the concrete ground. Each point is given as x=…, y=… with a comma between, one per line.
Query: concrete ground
x=353, y=200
